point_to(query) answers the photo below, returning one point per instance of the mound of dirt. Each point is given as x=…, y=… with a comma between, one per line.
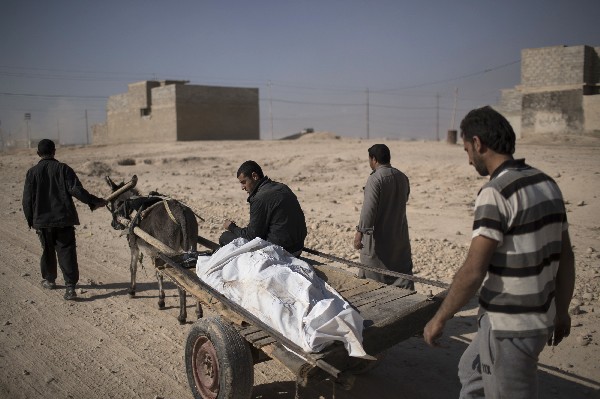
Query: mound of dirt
x=319, y=136
x=96, y=168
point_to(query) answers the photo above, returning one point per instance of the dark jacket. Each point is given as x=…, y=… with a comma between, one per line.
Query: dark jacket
x=48, y=195
x=275, y=216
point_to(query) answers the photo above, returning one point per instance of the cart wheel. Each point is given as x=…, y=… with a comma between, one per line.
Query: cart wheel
x=218, y=361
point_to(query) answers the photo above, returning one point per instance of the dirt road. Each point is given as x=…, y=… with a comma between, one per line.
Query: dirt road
x=106, y=345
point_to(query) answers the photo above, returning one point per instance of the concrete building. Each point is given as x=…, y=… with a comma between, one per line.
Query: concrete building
x=559, y=91
x=172, y=110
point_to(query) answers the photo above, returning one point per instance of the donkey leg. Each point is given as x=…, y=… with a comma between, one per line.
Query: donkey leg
x=182, y=307
x=135, y=253
x=161, y=291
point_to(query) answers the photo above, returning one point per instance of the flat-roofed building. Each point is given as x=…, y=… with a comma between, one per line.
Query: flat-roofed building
x=173, y=110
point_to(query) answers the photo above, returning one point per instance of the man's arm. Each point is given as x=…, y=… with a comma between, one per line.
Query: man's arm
x=358, y=240
x=565, y=285
x=465, y=284
x=368, y=212
x=27, y=202
x=258, y=225
x=76, y=189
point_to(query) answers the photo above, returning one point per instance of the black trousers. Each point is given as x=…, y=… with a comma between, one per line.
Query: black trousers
x=59, y=242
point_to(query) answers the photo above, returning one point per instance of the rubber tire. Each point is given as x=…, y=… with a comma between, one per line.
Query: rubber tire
x=215, y=338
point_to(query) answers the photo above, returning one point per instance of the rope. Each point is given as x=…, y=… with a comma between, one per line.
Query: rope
x=422, y=280
x=170, y=213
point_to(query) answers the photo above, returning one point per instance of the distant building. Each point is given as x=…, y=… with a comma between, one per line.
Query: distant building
x=559, y=91
x=172, y=110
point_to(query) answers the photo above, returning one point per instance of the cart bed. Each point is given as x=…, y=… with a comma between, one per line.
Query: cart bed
x=390, y=314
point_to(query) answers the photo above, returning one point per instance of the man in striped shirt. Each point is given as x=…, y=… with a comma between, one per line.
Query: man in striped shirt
x=521, y=252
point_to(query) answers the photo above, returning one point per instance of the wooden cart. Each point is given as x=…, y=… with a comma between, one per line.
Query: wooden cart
x=221, y=351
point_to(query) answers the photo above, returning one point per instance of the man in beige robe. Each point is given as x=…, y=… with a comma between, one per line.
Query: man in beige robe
x=382, y=232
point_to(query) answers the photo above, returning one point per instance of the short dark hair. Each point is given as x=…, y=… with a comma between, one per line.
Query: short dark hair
x=248, y=167
x=492, y=129
x=381, y=153
x=46, y=147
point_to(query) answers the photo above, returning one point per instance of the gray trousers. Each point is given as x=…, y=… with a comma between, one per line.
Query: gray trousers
x=495, y=368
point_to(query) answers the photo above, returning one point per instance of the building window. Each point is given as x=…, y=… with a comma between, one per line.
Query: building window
x=145, y=112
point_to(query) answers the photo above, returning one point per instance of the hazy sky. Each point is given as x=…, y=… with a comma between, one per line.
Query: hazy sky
x=313, y=61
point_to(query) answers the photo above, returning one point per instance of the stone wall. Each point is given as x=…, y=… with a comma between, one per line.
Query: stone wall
x=174, y=111
x=132, y=117
x=552, y=66
x=559, y=91
x=217, y=113
x=552, y=112
x=591, y=111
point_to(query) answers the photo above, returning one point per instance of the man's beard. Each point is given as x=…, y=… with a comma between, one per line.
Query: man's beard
x=480, y=166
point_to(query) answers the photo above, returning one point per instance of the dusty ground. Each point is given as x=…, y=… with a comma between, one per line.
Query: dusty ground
x=106, y=345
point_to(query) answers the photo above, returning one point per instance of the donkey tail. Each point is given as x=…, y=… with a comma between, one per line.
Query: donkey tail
x=189, y=226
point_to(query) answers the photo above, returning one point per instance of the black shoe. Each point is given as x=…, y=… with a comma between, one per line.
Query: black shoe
x=70, y=294
x=49, y=285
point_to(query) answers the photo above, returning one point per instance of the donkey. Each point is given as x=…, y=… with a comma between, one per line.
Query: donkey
x=165, y=219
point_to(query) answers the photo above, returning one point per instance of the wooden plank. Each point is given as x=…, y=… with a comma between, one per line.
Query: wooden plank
x=372, y=296
x=386, y=312
x=360, y=288
x=247, y=330
x=256, y=336
x=263, y=342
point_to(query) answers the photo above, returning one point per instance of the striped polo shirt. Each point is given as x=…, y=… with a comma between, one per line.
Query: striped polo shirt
x=523, y=209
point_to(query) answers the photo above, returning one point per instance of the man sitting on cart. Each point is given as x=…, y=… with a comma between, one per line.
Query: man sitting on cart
x=275, y=213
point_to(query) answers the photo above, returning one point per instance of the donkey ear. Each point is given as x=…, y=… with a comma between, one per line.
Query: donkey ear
x=109, y=181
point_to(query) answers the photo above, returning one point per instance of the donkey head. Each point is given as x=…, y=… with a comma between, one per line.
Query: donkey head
x=128, y=193
x=118, y=200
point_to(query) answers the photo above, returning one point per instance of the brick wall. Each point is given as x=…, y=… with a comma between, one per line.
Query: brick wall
x=217, y=113
x=174, y=111
x=552, y=112
x=552, y=66
x=591, y=111
x=511, y=100
x=559, y=91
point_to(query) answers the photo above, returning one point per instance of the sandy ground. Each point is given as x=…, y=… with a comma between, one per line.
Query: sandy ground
x=106, y=345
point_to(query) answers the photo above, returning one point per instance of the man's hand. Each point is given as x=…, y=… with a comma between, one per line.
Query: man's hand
x=227, y=224
x=98, y=204
x=562, y=329
x=432, y=331
x=358, y=240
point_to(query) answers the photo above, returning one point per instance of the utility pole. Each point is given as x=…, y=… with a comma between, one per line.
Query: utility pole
x=454, y=108
x=437, y=116
x=87, y=134
x=368, y=121
x=270, y=108
x=27, y=118
x=58, y=131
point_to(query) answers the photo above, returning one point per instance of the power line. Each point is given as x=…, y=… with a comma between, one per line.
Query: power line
x=457, y=78
x=121, y=76
x=54, y=96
